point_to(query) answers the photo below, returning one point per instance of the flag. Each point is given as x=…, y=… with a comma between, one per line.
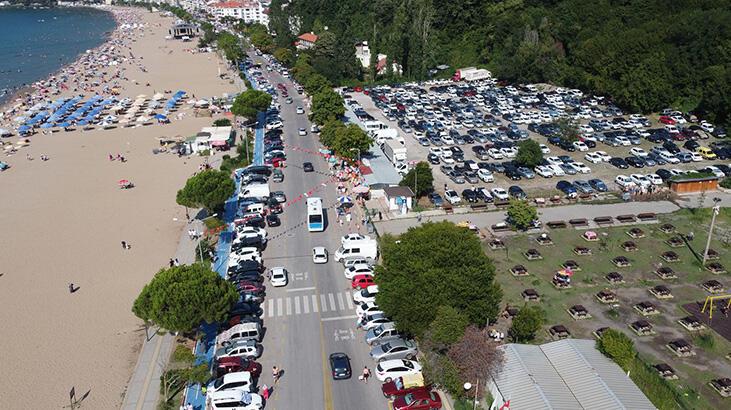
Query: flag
x=505, y=405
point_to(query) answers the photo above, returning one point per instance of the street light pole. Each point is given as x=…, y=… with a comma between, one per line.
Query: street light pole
x=715, y=210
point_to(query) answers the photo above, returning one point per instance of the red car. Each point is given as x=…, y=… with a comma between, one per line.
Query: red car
x=396, y=387
x=667, y=120
x=226, y=365
x=422, y=399
x=358, y=89
x=250, y=287
x=362, y=281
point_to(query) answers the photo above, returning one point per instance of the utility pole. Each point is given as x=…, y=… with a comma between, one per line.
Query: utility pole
x=715, y=210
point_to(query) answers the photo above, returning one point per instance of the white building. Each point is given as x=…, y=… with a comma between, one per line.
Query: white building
x=250, y=11
x=363, y=54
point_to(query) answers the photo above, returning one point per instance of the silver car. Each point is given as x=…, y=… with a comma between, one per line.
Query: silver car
x=394, y=349
x=382, y=333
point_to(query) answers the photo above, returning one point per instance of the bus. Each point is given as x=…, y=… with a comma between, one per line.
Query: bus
x=315, y=216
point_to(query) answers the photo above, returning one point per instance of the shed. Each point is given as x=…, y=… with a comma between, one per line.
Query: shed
x=399, y=198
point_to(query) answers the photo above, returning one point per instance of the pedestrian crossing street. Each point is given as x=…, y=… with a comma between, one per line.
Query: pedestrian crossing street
x=308, y=304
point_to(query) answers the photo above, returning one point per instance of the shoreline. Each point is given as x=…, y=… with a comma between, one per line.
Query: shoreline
x=23, y=90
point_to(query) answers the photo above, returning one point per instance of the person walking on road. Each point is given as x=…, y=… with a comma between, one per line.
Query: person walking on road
x=366, y=374
x=275, y=374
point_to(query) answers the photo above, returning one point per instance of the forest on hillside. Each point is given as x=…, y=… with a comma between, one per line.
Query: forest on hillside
x=645, y=54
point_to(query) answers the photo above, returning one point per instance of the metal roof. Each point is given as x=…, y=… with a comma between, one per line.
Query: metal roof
x=567, y=374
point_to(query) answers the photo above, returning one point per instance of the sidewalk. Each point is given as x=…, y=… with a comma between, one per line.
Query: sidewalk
x=143, y=389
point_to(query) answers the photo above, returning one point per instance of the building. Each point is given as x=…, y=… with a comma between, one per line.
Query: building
x=306, y=41
x=399, y=198
x=567, y=374
x=250, y=11
x=691, y=184
x=221, y=138
x=181, y=30
x=363, y=54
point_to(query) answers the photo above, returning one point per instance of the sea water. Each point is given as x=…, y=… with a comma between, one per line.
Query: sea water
x=37, y=43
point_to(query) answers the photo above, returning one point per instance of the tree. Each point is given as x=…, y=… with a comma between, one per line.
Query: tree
x=222, y=122
x=351, y=141
x=284, y=56
x=419, y=179
x=230, y=46
x=327, y=105
x=529, y=154
x=440, y=370
x=435, y=264
x=182, y=297
x=475, y=356
x=208, y=189
x=316, y=83
x=526, y=323
x=448, y=326
x=329, y=132
x=251, y=102
x=618, y=347
x=521, y=214
x=567, y=129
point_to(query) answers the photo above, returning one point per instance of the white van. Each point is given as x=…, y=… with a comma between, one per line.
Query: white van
x=367, y=248
x=257, y=208
x=242, y=331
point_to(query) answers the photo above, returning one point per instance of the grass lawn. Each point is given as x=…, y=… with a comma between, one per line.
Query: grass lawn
x=694, y=372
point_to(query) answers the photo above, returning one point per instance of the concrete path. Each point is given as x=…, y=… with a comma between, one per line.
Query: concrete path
x=557, y=213
x=143, y=390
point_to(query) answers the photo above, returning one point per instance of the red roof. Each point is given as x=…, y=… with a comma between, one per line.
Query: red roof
x=236, y=4
x=309, y=37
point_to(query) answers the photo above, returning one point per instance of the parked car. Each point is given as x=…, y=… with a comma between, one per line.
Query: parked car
x=567, y=188
x=391, y=369
x=340, y=366
x=436, y=199
x=421, y=399
x=598, y=185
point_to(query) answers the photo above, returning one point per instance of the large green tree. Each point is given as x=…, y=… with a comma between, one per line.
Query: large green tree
x=419, y=179
x=230, y=45
x=521, y=214
x=251, y=102
x=208, y=189
x=617, y=346
x=180, y=298
x=529, y=153
x=327, y=105
x=526, y=323
x=435, y=264
x=447, y=327
x=284, y=56
x=351, y=142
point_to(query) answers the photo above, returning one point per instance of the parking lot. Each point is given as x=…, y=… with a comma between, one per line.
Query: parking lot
x=452, y=120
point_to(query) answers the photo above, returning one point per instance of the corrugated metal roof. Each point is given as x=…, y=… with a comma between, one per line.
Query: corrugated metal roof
x=567, y=374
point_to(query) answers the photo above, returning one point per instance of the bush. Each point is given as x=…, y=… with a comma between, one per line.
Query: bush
x=617, y=346
x=526, y=323
x=222, y=122
x=182, y=354
x=726, y=183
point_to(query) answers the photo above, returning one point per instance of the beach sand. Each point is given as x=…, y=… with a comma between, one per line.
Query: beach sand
x=63, y=221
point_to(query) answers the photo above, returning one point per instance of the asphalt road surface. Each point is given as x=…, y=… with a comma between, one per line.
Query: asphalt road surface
x=313, y=316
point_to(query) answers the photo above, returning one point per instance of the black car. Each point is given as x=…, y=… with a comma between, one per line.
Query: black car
x=436, y=199
x=590, y=143
x=618, y=162
x=308, y=167
x=722, y=153
x=340, y=366
x=469, y=195
x=513, y=174
x=249, y=242
x=725, y=169
x=250, y=276
x=249, y=265
x=244, y=308
x=664, y=174
x=691, y=145
x=517, y=192
x=273, y=220
x=255, y=221
x=567, y=145
x=635, y=162
x=671, y=147
x=433, y=159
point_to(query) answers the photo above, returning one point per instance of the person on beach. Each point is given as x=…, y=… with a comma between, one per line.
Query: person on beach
x=275, y=374
x=172, y=262
x=71, y=288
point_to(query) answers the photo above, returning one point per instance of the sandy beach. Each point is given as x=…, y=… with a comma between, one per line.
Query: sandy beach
x=63, y=221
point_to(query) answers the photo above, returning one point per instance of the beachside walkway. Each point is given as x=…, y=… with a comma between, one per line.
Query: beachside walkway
x=143, y=390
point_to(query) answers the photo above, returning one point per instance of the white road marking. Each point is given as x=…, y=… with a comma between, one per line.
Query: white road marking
x=301, y=289
x=350, y=303
x=289, y=306
x=330, y=319
x=323, y=303
x=314, y=304
x=331, y=298
x=297, y=305
x=270, y=307
x=305, y=305
x=280, y=307
x=340, y=301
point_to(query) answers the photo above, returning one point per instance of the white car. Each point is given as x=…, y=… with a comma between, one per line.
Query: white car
x=358, y=269
x=495, y=153
x=641, y=180
x=544, y=171
x=367, y=309
x=715, y=171
x=388, y=370
x=580, y=167
x=580, y=146
x=351, y=237
x=366, y=295
x=696, y=157
x=485, y=175
x=638, y=152
x=374, y=320
x=500, y=194
x=402, y=168
x=624, y=181
x=234, y=400
x=274, y=125
x=707, y=126
x=554, y=160
x=319, y=255
x=300, y=110
x=556, y=169
x=231, y=381
x=545, y=149
x=452, y=196
x=623, y=141
x=302, y=131
x=278, y=277
x=669, y=158
x=244, y=254
x=509, y=152
x=448, y=161
x=250, y=232
x=447, y=140
x=654, y=179
x=436, y=151
x=605, y=157
x=593, y=157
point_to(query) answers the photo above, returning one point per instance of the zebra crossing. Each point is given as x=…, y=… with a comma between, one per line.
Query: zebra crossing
x=307, y=304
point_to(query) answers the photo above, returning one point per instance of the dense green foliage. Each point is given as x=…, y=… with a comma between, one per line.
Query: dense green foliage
x=180, y=298
x=419, y=179
x=327, y=105
x=726, y=183
x=251, y=102
x=230, y=46
x=346, y=141
x=617, y=346
x=240, y=160
x=222, y=122
x=646, y=54
x=526, y=323
x=529, y=153
x=208, y=189
x=567, y=129
x=448, y=326
x=435, y=264
x=521, y=214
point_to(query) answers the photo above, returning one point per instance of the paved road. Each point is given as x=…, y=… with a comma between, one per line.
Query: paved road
x=313, y=316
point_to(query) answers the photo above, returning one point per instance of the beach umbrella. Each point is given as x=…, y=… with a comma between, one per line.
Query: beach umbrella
x=64, y=124
x=158, y=96
x=23, y=129
x=83, y=122
x=160, y=117
x=345, y=199
x=47, y=125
